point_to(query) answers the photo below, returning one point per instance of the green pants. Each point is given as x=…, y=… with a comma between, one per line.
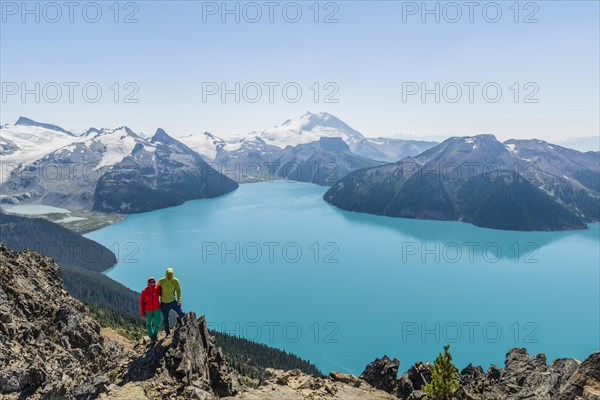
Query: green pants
x=152, y=322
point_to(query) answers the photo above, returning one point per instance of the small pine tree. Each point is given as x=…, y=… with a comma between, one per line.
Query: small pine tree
x=444, y=377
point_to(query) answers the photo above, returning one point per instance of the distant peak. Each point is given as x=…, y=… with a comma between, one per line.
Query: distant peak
x=90, y=131
x=211, y=136
x=161, y=136
x=129, y=131
x=24, y=121
x=108, y=131
x=309, y=121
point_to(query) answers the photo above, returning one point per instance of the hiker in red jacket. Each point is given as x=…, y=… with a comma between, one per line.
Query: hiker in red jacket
x=150, y=308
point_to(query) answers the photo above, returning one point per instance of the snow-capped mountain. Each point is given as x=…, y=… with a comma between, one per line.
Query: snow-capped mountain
x=24, y=121
x=117, y=170
x=311, y=127
x=27, y=141
x=308, y=128
x=323, y=160
x=158, y=173
x=205, y=144
x=69, y=176
x=116, y=144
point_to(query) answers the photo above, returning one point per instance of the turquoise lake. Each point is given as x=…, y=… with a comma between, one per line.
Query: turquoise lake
x=274, y=263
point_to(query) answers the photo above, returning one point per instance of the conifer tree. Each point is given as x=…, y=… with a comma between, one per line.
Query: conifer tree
x=444, y=377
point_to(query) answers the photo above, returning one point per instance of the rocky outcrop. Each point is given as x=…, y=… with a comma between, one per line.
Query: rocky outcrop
x=382, y=374
x=186, y=363
x=49, y=348
x=523, y=377
x=585, y=382
x=410, y=383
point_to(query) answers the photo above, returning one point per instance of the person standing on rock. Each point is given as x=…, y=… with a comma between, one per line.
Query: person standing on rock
x=150, y=308
x=169, y=286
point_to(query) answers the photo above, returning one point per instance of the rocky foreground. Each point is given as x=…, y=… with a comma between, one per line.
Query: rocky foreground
x=50, y=349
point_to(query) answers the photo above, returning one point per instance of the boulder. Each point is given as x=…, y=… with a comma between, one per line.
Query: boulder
x=585, y=381
x=382, y=374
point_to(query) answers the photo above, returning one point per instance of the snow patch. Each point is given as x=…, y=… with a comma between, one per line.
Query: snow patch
x=33, y=143
x=118, y=145
x=511, y=148
x=204, y=144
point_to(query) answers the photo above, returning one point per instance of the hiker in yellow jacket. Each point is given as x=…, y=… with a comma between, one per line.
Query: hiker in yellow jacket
x=169, y=286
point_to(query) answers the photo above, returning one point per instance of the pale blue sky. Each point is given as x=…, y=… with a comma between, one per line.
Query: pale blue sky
x=369, y=53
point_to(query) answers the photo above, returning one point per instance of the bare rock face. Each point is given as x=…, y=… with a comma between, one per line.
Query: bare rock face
x=585, y=382
x=188, y=364
x=523, y=377
x=382, y=374
x=49, y=348
x=409, y=385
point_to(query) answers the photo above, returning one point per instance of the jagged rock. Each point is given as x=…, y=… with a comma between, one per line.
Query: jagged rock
x=494, y=373
x=188, y=359
x=410, y=383
x=405, y=387
x=382, y=374
x=517, y=362
x=522, y=378
x=471, y=373
x=585, y=381
x=419, y=374
x=48, y=347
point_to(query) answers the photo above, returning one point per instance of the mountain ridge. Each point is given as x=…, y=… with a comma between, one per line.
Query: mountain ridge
x=92, y=172
x=440, y=183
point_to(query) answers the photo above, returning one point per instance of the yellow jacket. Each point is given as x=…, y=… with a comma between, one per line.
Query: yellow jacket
x=168, y=288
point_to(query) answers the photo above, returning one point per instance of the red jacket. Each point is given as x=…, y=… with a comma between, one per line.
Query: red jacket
x=149, y=299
